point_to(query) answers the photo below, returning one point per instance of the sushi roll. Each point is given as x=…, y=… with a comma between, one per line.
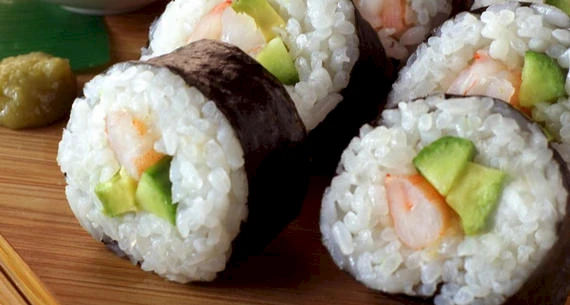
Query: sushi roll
x=452, y=200
x=333, y=56
x=319, y=37
x=516, y=52
x=182, y=164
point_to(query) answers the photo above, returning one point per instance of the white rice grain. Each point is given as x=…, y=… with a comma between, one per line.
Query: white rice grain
x=208, y=179
x=480, y=269
x=320, y=35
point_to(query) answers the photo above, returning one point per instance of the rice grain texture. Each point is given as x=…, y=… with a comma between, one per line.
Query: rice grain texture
x=209, y=182
x=359, y=233
x=319, y=34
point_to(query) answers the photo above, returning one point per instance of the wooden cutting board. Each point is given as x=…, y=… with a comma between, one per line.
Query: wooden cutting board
x=70, y=266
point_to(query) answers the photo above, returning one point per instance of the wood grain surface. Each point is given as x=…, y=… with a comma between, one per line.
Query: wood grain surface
x=37, y=221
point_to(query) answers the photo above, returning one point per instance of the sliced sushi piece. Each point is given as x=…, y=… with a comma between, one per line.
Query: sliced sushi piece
x=179, y=163
x=517, y=52
x=384, y=223
x=320, y=39
x=338, y=60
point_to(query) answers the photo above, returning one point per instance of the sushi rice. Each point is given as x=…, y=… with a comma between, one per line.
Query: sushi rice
x=420, y=17
x=209, y=182
x=483, y=3
x=479, y=269
x=507, y=30
x=320, y=35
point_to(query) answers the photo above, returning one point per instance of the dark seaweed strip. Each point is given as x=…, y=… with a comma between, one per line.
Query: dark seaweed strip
x=363, y=99
x=458, y=6
x=267, y=124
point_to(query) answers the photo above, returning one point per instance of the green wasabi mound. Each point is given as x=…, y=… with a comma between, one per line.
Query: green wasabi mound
x=443, y=161
x=36, y=89
x=542, y=80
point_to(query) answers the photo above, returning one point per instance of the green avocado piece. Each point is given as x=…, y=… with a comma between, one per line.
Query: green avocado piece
x=475, y=195
x=276, y=59
x=443, y=161
x=542, y=80
x=564, y=5
x=154, y=192
x=117, y=194
x=266, y=18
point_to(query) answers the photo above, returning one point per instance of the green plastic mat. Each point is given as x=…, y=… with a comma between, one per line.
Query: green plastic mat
x=32, y=25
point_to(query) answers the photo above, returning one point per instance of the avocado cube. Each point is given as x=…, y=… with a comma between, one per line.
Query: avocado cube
x=154, y=191
x=475, y=195
x=443, y=161
x=276, y=59
x=542, y=80
x=117, y=194
x=266, y=18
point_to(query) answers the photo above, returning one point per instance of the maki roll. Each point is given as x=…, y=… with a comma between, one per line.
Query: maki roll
x=516, y=52
x=181, y=163
x=452, y=200
x=322, y=51
x=317, y=40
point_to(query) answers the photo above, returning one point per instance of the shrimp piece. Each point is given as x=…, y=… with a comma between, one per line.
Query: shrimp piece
x=223, y=23
x=388, y=14
x=393, y=15
x=132, y=142
x=241, y=30
x=490, y=77
x=210, y=25
x=420, y=214
x=369, y=9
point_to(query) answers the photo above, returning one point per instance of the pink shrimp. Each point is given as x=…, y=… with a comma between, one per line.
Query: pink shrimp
x=490, y=77
x=132, y=142
x=223, y=23
x=420, y=214
x=388, y=14
x=393, y=15
x=210, y=25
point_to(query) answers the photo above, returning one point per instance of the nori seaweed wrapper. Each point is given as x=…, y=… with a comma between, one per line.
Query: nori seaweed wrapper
x=364, y=98
x=267, y=125
x=458, y=6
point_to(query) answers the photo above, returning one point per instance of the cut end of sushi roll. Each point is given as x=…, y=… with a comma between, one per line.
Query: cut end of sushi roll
x=511, y=51
x=369, y=222
x=170, y=160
